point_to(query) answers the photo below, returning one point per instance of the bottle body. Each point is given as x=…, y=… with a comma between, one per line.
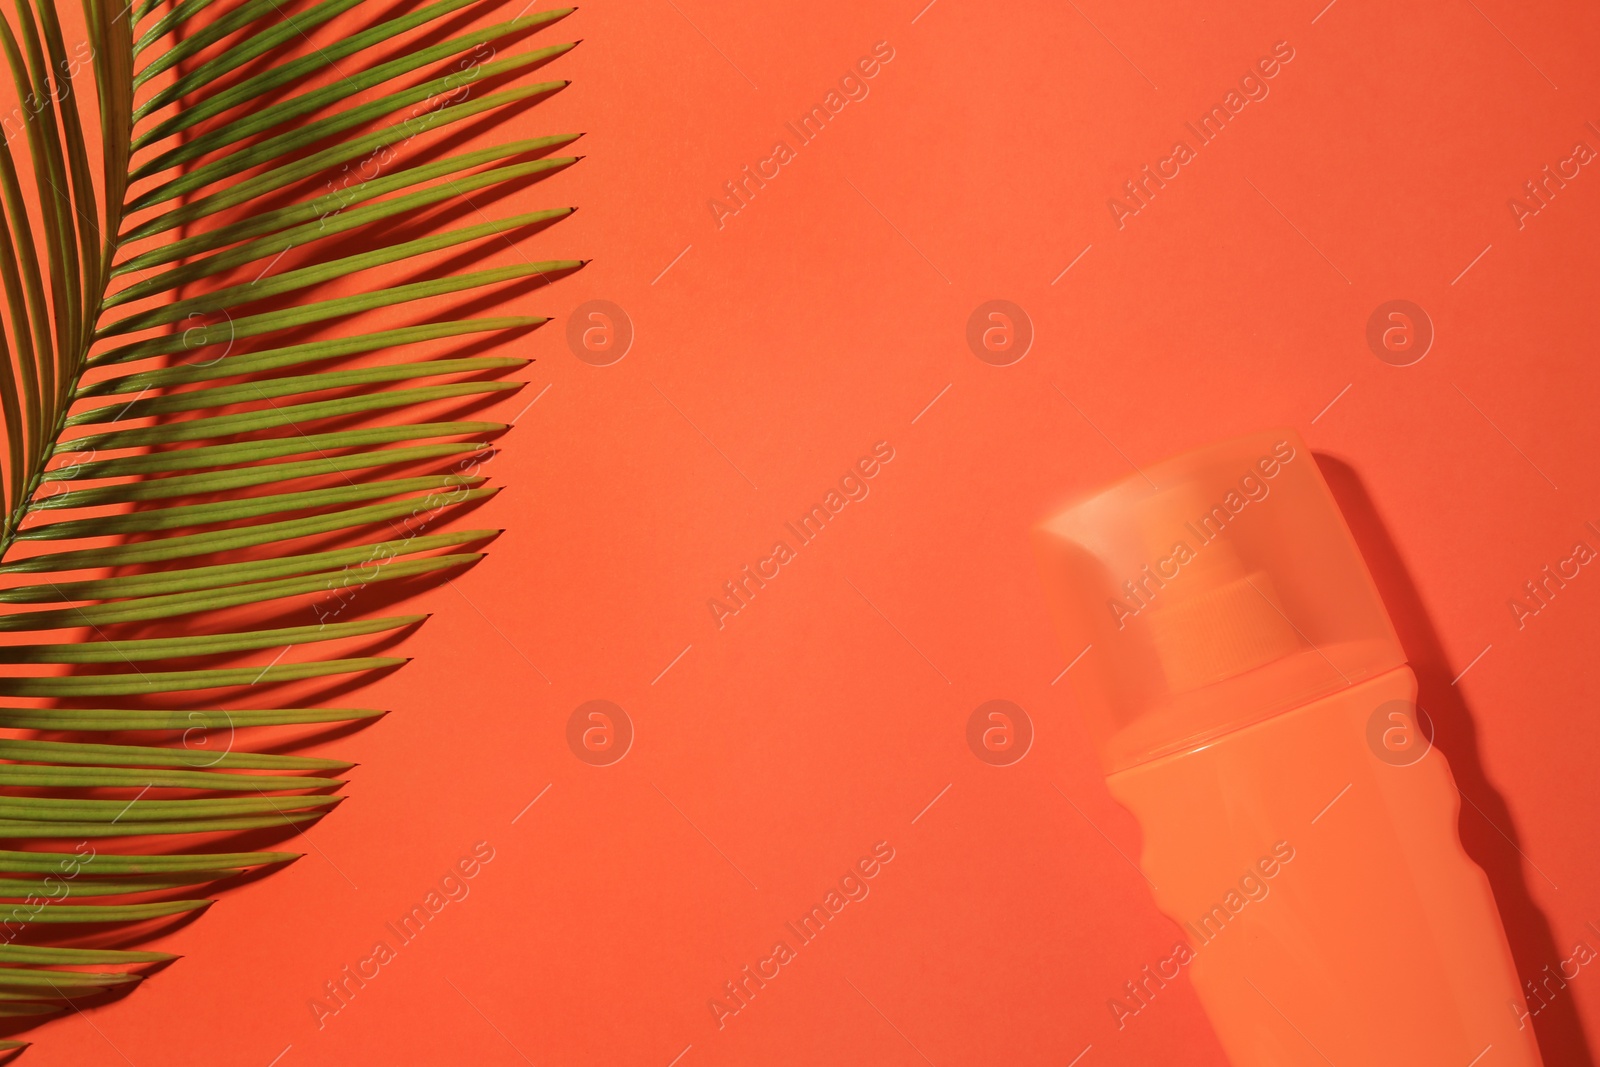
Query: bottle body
x=1329, y=910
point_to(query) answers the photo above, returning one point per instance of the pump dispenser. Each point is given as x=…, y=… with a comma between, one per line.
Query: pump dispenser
x=1252, y=706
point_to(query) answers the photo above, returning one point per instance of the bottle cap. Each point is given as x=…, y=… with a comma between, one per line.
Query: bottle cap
x=1209, y=592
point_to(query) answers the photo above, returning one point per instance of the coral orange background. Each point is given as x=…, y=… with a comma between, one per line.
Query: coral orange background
x=775, y=350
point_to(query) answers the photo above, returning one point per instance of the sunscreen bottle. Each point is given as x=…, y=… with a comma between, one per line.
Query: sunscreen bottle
x=1253, y=708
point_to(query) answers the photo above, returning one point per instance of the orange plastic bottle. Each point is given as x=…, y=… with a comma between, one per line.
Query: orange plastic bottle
x=1253, y=709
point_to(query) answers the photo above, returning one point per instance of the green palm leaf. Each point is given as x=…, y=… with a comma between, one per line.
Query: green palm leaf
x=212, y=453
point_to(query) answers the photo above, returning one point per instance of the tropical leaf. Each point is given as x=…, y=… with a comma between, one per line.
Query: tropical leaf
x=238, y=353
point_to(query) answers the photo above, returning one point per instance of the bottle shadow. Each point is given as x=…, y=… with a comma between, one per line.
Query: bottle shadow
x=1488, y=830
